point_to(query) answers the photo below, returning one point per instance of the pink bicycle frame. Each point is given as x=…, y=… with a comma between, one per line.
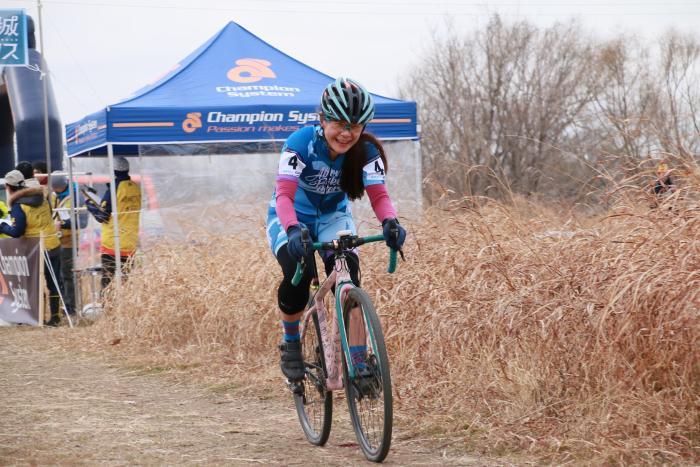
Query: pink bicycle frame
x=328, y=323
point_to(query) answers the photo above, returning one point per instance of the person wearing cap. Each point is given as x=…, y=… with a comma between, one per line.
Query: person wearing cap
x=128, y=209
x=31, y=217
x=27, y=171
x=61, y=203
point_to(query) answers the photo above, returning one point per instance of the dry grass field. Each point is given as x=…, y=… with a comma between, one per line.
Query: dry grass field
x=514, y=329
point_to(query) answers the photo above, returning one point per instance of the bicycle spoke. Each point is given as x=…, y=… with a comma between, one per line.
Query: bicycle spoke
x=314, y=405
x=371, y=410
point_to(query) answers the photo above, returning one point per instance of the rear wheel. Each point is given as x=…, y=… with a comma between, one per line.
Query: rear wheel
x=314, y=404
x=369, y=392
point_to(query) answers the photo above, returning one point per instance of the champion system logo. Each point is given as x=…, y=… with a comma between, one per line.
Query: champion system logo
x=192, y=122
x=250, y=70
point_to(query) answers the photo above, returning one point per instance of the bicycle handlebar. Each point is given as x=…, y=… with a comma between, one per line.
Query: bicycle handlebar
x=347, y=243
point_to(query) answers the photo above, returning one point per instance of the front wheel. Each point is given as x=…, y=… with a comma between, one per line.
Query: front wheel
x=369, y=392
x=315, y=403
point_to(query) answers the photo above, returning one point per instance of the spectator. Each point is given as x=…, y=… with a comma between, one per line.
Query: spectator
x=40, y=172
x=4, y=213
x=128, y=209
x=31, y=217
x=61, y=204
x=28, y=173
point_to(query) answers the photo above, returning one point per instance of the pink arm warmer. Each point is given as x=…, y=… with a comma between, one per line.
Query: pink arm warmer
x=285, y=191
x=379, y=198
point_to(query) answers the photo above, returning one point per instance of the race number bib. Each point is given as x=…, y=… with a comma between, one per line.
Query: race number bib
x=290, y=164
x=374, y=171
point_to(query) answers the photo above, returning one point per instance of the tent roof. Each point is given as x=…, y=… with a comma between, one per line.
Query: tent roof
x=234, y=87
x=195, y=75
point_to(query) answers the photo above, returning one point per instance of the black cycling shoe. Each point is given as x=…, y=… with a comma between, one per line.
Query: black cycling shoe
x=291, y=361
x=367, y=383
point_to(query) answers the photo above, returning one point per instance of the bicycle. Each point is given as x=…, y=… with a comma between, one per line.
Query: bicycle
x=326, y=338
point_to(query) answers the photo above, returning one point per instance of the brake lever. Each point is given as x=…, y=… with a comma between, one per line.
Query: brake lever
x=305, y=241
x=395, y=233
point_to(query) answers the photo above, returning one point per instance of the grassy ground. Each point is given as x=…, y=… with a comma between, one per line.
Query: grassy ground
x=514, y=329
x=67, y=405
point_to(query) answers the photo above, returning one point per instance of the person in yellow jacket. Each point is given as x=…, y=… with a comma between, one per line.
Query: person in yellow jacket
x=4, y=212
x=31, y=217
x=129, y=213
x=61, y=204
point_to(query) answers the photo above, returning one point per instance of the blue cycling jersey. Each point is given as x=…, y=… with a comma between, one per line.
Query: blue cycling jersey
x=305, y=158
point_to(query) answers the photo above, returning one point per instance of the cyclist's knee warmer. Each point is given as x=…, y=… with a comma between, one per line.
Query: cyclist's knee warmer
x=290, y=299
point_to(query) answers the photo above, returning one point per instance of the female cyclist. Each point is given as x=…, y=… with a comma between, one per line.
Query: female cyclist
x=321, y=169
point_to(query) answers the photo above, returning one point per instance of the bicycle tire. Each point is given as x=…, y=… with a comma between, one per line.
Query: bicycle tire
x=374, y=439
x=315, y=405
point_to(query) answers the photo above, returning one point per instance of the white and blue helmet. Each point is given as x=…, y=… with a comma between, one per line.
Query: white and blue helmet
x=347, y=100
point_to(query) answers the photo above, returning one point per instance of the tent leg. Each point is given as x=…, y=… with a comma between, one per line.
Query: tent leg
x=419, y=175
x=75, y=231
x=45, y=85
x=42, y=283
x=142, y=186
x=115, y=218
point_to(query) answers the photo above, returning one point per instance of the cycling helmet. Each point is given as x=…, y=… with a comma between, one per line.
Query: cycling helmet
x=345, y=99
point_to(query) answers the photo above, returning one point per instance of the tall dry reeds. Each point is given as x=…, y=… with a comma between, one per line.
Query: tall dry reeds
x=517, y=328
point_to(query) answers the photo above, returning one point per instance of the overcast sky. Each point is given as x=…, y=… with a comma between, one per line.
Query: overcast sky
x=101, y=51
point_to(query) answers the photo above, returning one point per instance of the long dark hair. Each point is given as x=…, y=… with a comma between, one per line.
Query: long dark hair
x=355, y=160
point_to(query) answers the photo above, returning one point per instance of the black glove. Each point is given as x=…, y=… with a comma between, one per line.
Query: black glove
x=394, y=234
x=297, y=246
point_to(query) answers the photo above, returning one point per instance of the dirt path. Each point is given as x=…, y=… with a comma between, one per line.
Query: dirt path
x=59, y=408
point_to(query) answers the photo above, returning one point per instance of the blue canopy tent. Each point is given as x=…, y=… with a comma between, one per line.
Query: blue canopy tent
x=234, y=88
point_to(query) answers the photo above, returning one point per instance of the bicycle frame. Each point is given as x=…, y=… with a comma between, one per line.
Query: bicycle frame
x=332, y=326
x=330, y=323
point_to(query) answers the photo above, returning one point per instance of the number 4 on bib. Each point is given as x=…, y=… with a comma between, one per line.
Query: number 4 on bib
x=378, y=168
x=374, y=172
x=290, y=164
